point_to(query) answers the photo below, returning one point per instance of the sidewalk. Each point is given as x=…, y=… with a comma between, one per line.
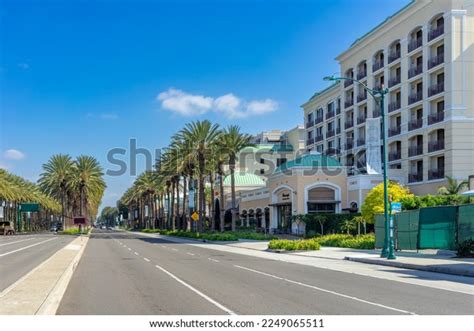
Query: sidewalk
x=40, y=291
x=425, y=261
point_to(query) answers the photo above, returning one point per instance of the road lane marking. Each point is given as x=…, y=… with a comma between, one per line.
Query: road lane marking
x=18, y=241
x=146, y=259
x=26, y=247
x=213, y=260
x=324, y=290
x=129, y=249
x=163, y=246
x=174, y=249
x=136, y=253
x=214, y=302
x=192, y=254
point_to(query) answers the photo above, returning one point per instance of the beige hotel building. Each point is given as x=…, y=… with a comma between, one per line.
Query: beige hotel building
x=424, y=55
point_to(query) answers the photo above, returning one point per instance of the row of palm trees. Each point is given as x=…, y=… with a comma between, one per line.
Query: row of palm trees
x=78, y=185
x=199, y=155
x=67, y=187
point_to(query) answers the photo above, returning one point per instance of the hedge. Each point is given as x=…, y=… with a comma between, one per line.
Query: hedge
x=294, y=245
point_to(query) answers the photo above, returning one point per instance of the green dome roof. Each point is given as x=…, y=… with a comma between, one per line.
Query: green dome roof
x=310, y=160
x=245, y=179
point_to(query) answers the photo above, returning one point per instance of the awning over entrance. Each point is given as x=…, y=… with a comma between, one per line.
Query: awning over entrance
x=280, y=204
x=324, y=201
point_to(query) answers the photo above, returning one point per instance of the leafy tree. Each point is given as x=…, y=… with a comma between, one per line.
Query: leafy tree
x=374, y=202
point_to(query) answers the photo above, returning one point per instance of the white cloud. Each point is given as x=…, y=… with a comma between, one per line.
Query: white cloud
x=259, y=107
x=13, y=154
x=229, y=105
x=183, y=103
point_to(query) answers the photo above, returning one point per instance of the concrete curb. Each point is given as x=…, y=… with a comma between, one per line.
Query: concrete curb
x=52, y=301
x=432, y=268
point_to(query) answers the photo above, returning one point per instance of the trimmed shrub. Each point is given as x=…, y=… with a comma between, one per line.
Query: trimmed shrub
x=347, y=241
x=294, y=245
x=465, y=249
x=253, y=235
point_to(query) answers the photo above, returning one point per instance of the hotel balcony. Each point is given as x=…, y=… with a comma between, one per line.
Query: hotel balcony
x=378, y=86
x=435, y=174
x=377, y=65
x=394, y=55
x=435, y=89
x=332, y=151
x=338, y=110
x=415, y=124
x=348, y=83
x=349, y=124
x=330, y=114
x=319, y=138
x=414, y=44
x=415, y=71
x=435, y=60
x=434, y=146
x=338, y=130
x=413, y=178
x=394, y=81
x=330, y=133
x=376, y=113
x=436, y=32
x=319, y=119
x=435, y=118
x=394, y=131
x=362, y=74
x=394, y=155
x=348, y=103
x=309, y=124
x=361, y=97
x=309, y=141
x=415, y=97
x=394, y=105
x=360, y=141
x=361, y=119
x=349, y=143
x=415, y=150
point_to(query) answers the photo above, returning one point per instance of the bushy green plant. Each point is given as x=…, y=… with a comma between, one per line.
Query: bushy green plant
x=466, y=248
x=348, y=241
x=72, y=231
x=253, y=236
x=294, y=245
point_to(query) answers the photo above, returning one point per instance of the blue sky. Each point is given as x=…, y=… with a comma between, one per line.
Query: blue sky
x=83, y=77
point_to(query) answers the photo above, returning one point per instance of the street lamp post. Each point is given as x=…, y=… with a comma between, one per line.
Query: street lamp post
x=388, y=247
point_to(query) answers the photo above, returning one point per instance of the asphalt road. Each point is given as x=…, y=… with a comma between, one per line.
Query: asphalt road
x=20, y=254
x=123, y=273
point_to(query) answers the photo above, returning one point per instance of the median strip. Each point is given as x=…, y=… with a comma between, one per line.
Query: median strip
x=324, y=290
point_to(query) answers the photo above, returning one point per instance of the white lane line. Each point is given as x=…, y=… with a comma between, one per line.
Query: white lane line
x=26, y=247
x=146, y=259
x=213, y=260
x=214, y=302
x=136, y=253
x=192, y=254
x=163, y=246
x=324, y=290
x=174, y=249
x=129, y=249
x=18, y=241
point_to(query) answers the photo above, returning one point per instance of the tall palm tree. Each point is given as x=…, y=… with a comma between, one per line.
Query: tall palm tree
x=200, y=136
x=56, y=178
x=453, y=187
x=232, y=142
x=87, y=179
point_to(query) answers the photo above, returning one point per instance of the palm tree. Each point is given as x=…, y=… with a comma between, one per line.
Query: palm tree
x=87, y=179
x=200, y=136
x=56, y=179
x=232, y=142
x=454, y=187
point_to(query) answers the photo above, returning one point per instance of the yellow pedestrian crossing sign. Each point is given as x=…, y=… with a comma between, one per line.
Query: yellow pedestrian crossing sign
x=195, y=216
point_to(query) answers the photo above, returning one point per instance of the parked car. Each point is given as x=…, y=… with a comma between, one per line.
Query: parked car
x=6, y=228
